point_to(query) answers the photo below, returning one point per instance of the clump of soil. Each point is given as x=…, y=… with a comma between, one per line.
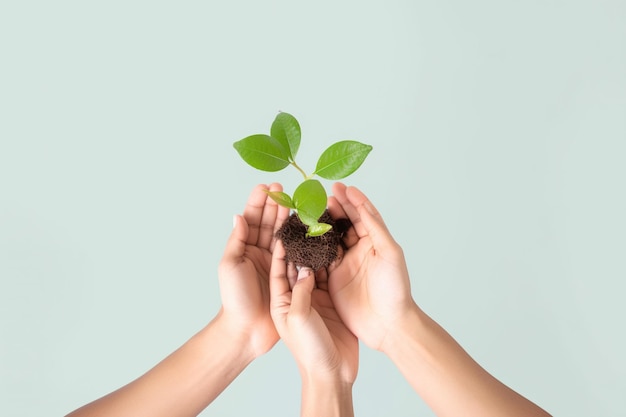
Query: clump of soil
x=314, y=252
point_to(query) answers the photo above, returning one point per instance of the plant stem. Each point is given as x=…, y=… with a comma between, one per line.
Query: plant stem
x=306, y=177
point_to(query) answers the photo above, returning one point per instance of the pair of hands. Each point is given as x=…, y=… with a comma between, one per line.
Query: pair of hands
x=318, y=314
x=364, y=294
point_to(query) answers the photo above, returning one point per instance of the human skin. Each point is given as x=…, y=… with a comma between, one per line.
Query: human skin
x=370, y=287
x=189, y=379
x=366, y=293
x=326, y=352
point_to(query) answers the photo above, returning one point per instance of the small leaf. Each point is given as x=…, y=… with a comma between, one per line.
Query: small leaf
x=318, y=229
x=310, y=198
x=281, y=198
x=314, y=227
x=262, y=152
x=341, y=159
x=306, y=219
x=286, y=130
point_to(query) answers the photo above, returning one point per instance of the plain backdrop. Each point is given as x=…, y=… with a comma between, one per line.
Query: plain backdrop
x=499, y=135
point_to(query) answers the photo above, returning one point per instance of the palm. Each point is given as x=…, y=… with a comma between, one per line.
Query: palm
x=362, y=296
x=247, y=291
x=345, y=345
x=363, y=285
x=244, y=269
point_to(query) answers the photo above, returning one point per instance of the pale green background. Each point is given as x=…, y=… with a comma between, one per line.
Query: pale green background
x=499, y=134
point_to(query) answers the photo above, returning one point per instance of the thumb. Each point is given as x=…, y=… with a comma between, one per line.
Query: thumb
x=236, y=244
x=301, y=293
x=375, y=226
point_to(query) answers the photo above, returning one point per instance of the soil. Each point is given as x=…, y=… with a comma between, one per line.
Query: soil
x=314, y=252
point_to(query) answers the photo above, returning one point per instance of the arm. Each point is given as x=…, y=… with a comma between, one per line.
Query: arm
x=439, y=369
x=325, y=350
x=185, y=382
x=371, y=290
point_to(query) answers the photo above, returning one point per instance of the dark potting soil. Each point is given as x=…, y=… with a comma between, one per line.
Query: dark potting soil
x=315, y=252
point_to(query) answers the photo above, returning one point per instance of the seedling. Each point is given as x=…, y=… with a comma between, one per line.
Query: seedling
x=278, y=150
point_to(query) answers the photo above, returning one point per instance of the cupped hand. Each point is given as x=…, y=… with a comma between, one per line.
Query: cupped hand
x=308, y=323
x=245, y=268
x=369, y=284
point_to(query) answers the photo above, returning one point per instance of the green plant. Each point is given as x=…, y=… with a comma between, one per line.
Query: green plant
x=277, y=150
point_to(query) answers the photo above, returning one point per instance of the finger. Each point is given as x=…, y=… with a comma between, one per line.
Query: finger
x=281, y=217
x=292, y=274
x=334, y=208
x=321, y=279
x=371, y=219
x=236, y=244
x=334, y=264
x=340, y=192
x=279, y=286
x=336, y=211
x=301, y=293
x=253, y=212
x=268, y=219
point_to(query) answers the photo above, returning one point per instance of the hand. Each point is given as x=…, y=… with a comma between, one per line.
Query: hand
x=308, y=323
x=370, y=283
x=185, y=382
x=370, y=287
x=245, y=267
x=326, y=352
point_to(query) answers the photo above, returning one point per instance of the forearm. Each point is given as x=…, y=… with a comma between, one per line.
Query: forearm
x=329, y=398
x=446, y=377
x=184, y=383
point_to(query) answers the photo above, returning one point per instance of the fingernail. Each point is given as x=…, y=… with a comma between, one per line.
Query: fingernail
x=304, y=272
x=234, y=221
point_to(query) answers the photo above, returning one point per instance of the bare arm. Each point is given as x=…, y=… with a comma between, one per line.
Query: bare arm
x=326, y=352
x=328, y=398
x=371, y=290
x=446, y=377
x=185, y=382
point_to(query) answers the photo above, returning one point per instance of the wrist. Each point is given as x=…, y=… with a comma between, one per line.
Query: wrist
x=231, y=334
x=330, y=379
x=326, y=396
x=403, y=331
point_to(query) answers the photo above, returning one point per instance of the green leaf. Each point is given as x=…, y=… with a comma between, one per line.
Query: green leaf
x=318, y=229
x=314, y=227
x=281, y=198
x=310, y=199
x=306, y=219
x=262, y=152
x=341, y=159
x=286, y=131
